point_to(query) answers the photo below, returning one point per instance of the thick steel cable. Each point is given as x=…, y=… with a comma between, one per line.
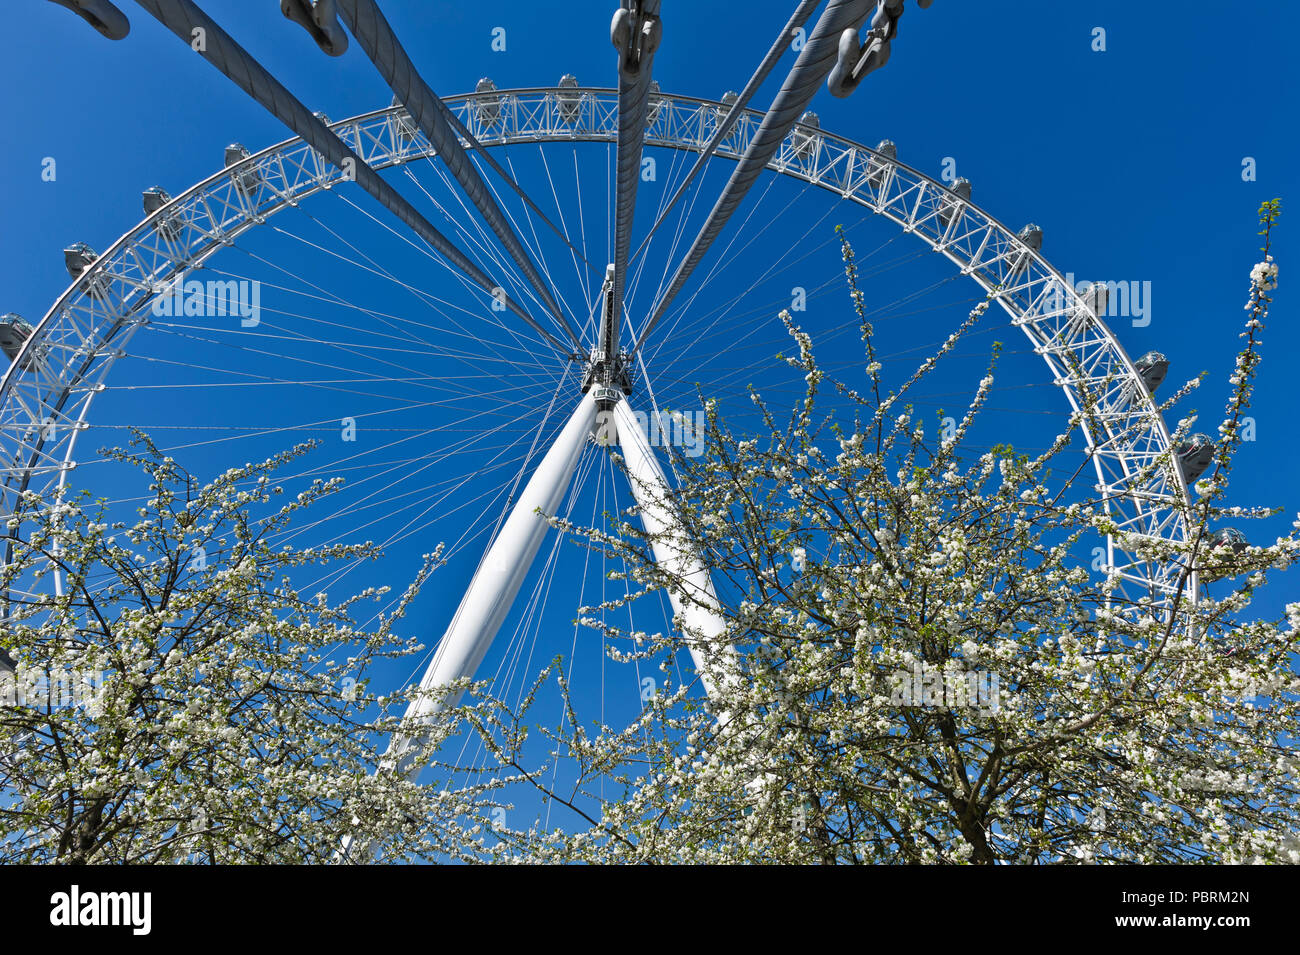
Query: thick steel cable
x=814, y=64
x=320, y=20
x=380, y=43
x=509, y=180
x=798, y=19
x=633, y=108
x=104, y=16
x=183, y=17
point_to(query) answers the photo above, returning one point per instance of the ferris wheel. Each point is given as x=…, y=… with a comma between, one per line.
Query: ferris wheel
x=453, y=291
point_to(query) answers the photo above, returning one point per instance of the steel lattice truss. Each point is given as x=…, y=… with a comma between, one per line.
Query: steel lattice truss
x=46, y=394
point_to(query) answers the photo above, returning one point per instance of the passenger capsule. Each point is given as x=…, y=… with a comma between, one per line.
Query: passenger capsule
x=14, y=331
x=1194, y=455
x=153, y=199
x=248, y=178
x=960, y=194
x=805, y=137
x=889, y=152
x=406, y=128
x=77, y=257
x=1096, y=296
x=1152, y=367
x=1031, y=236
x=656, y=104
x=489, y=107
x=1229, y=537
x=569, y=104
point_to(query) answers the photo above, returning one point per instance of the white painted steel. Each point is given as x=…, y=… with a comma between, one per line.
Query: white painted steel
x=492, y=591
x=694, y=600
x=46, y=392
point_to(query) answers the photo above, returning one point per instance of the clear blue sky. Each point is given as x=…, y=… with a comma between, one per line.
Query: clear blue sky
x=1130, y=159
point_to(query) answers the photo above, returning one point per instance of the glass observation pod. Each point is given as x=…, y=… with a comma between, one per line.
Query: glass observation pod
x=1032, y=237
x=732, y=140
x=406, y=128
x=78, y=257
x=960, y=195
x=153, y=199
x=14, y=331
x=247, y=179
x=1152, y=368
x=1195, y=454
x=656, y=104
x=1230, y=537
x=569, y=105
x=887, y=149
x=1225, y=544
x=805, y=135
x=489, y=109
x=1096, y=296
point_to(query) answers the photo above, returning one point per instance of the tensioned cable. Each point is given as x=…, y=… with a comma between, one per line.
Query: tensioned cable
x=638, y=264
x=541, y=152
x=719, y=383
x=426, y=298
x=728, y=256
x=479, y=242
x=486, y=248
x=582, y=223
x=536, y=247
x=797, y=20
x=353, y=508
x=428, y=111
x=635, y=33
x=728, y=307
x=255, y=379
x=451, y=484
x=741, y=319
x=527, y=631
x=297, y=427
x=493, y=464
x=577, y=626
x=813, y=65
x=352, y=349
x=481, y=150
x=184, y=18
x=473, y=358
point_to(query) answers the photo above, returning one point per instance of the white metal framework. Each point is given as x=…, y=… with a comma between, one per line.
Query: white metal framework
x=47, y=393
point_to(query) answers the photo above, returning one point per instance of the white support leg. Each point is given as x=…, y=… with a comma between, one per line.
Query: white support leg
x=492, y=591
x=676, y=553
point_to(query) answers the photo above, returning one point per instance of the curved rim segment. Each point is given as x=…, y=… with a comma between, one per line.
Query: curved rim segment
x=46, y=393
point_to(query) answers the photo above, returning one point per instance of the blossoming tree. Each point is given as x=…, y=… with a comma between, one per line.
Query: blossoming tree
x=916, y=665
x=927, y=670
x=175, y=699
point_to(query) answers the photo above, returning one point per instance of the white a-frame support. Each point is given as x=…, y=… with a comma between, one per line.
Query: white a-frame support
x=492, y=591
x=693, y=598
x=495, y=584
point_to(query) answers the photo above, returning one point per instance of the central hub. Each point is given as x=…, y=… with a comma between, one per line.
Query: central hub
x=609, y=368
